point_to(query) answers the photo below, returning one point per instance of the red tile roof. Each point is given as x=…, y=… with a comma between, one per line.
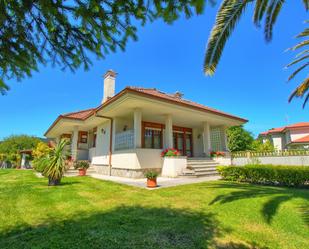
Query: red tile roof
x=151, y=92
x=302, y=140
x=80, y=114
x=179, y=100
x=281, y=129
x=301, y=124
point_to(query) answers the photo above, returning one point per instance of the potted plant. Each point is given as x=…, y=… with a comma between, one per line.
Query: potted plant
x=151, y=179
x=217, y=154
x=82, y=167
x=55, y=163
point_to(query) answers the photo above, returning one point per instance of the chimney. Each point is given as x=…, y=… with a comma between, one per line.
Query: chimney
x=109, y=85
x=178, y=94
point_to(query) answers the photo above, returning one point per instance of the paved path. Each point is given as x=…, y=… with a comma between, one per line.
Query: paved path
x=163, y=182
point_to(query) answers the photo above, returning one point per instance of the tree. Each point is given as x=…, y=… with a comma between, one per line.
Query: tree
x=13, y=144
x=239, y=139
x=258, y=146
x=227, y=17
x=40, y=150
x=64, y=32
x=10, y=147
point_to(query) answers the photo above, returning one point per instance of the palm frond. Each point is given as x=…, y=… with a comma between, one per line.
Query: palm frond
x=226, y=19
x=304, y=33
x=300, y=45
x=297, y=71
x=273, y=11
x=301, y=91
x=301, y=53
x=297, y=60
x=306, y=100
x=259, y=11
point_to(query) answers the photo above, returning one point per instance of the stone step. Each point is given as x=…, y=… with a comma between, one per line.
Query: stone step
x=193, y=166
x=205, y=170
x=207, y=174
x=202, y=163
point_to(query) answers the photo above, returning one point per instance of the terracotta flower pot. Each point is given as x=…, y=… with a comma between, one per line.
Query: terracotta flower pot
x=82, y=172
x=151, y=183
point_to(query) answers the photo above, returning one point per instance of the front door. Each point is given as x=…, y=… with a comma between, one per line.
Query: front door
x=183, y=143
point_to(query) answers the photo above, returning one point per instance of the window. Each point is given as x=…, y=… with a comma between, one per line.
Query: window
x=215, y=138
x=152, y=135
x=83, y=137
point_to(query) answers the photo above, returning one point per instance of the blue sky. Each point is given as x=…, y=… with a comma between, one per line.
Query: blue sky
x=250, y=81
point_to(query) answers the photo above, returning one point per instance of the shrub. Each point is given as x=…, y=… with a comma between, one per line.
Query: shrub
x=39, y=164
x=170, y=152
x=217, y=154
x=267, y=174
x=81, y=165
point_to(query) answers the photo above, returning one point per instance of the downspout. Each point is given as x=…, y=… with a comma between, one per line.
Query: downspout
x=110, y=140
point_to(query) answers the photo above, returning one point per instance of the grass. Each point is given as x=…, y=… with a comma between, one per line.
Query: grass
x=89, y=213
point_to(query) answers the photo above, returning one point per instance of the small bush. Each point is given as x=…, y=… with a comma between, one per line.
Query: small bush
x=267, y=174
x=81, y=165
x=151, y=174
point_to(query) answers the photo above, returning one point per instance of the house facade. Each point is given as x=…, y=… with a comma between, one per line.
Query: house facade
x=294, y=136
x=125, y=135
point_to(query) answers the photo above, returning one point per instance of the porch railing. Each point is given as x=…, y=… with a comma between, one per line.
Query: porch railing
x=276, y=153
x=124, y=140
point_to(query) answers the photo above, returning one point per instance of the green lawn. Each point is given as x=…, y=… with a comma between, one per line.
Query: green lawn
x=89, y=213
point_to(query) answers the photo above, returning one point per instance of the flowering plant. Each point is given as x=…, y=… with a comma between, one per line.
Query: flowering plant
x=217, y=154
x=170, y=152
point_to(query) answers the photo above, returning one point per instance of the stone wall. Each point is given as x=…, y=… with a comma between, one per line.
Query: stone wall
x=130, y=173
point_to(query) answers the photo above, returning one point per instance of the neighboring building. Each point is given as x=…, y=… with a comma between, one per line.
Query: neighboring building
x=128, y=131
x=295, y=136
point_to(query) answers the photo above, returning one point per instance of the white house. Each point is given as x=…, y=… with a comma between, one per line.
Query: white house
x=125, y=135
x=294, y=136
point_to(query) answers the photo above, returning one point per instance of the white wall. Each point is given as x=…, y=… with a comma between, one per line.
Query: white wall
x=102, y=142
x=299, y=133
x=279, y=160
x=277, y=141
x=132, y=159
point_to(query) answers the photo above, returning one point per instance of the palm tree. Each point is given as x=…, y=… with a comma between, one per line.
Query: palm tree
x=227, y=17
x=55, y=163
x=303, y=89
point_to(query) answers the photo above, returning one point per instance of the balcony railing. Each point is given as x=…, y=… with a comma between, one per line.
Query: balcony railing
x=124, y=140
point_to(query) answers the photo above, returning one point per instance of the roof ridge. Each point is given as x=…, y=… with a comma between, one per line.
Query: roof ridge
x=70, y=113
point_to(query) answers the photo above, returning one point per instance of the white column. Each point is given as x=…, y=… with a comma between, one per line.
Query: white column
x=74, y=143
x=206, y=139
x=168, y=131
x=137, y=128
x=23, y=160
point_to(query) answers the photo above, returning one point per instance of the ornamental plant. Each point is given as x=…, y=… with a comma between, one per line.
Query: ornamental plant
x=217, y=154
x=151, y=175
x=81, y=165
x=170, y=152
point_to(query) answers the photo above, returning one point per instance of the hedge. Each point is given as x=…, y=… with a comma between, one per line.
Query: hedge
x=267, y=174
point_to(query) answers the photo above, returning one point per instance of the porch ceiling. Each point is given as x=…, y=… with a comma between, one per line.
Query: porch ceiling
x=155, y=111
